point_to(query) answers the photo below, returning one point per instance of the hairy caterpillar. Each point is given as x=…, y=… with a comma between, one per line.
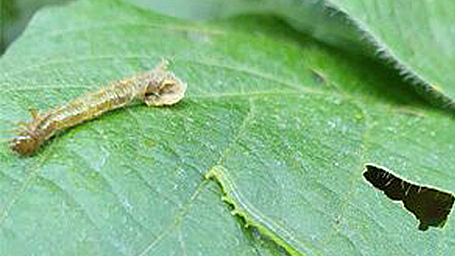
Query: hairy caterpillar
x=156, y=88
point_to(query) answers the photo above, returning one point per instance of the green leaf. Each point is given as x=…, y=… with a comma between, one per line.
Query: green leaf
x=416, y=37
x=14, y=16
x=281, y=124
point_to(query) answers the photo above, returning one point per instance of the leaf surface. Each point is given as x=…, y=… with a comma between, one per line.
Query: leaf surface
x=282, y=125
x=416, y=37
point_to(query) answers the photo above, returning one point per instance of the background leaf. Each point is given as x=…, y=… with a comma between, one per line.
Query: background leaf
x=416, y=37
x=282, y=125
x=14, y=16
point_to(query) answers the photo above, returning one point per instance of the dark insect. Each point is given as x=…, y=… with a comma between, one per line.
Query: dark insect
x=430, y=206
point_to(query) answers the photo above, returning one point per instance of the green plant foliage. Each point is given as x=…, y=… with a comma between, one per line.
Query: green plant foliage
x=264, y=156
x=14, y=16
x=418, y=35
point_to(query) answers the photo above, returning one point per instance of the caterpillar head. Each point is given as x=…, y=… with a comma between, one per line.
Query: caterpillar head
x=25, y=144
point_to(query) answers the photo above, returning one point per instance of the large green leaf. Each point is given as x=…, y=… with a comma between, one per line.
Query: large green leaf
x=417, y=37
x=281, y=124
x=14, y=16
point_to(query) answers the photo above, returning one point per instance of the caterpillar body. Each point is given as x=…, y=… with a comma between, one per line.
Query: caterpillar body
x=156, y=88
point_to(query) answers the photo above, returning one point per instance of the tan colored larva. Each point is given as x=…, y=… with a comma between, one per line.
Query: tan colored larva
x=156, y=88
